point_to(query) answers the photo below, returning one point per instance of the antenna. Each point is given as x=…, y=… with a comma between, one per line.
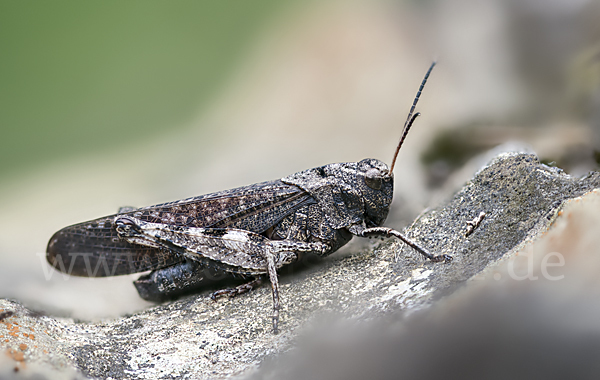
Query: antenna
x=411, y=118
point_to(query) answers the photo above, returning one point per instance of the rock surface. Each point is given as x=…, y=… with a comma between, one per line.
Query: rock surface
x=195, y=337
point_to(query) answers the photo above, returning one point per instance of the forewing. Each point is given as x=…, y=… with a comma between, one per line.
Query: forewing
x=255, y=208
x=93, y=249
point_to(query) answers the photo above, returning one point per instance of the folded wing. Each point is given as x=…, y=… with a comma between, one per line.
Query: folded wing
x=94, y=249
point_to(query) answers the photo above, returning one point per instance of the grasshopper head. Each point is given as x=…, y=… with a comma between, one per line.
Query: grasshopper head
x=376, y=184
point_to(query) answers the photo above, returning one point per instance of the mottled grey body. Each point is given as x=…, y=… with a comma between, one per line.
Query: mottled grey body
x=313, y=206
x=250, y=231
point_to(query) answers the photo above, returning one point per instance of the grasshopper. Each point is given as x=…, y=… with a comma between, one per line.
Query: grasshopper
x=248, y=232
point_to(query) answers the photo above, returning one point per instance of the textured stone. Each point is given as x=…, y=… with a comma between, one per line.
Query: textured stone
x=195, y=337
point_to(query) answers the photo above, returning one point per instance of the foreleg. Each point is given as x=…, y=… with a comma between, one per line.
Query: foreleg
x=389, y=232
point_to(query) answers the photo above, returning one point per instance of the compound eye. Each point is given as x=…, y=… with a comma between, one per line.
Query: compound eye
x=373, y=179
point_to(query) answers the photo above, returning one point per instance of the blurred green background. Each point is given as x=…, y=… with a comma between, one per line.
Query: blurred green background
x=83, y=76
